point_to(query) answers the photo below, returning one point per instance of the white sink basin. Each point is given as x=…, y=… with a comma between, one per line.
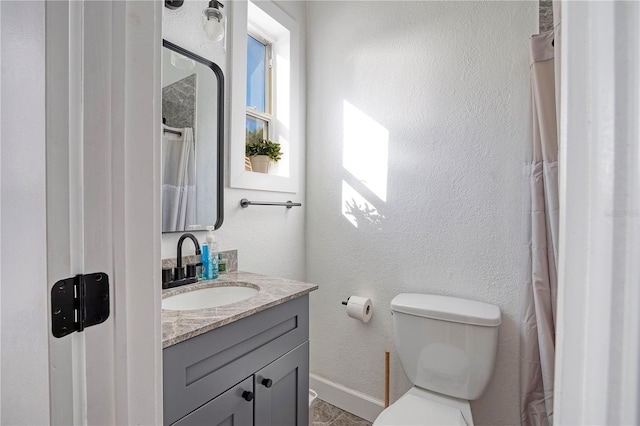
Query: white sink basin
x=207, y=298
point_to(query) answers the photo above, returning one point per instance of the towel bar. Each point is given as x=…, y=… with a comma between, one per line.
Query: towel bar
x=244, y=203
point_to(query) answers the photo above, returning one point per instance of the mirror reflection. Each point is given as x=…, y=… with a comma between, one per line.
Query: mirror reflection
x=192, y=141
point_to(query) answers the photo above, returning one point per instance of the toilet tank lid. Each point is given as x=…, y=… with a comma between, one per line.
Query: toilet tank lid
x=446, y=308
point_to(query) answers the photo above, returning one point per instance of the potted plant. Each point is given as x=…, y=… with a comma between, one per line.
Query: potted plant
x=262, y=153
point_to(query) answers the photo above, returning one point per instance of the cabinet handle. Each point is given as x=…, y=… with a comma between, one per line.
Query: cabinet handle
x=248, y=396
x=267, y=383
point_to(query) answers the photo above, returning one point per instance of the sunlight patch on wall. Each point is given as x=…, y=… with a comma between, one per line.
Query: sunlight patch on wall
x=357, y=210
x=365, y=150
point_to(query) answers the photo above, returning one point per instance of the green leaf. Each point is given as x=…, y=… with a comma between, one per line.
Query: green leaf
x=257, y=146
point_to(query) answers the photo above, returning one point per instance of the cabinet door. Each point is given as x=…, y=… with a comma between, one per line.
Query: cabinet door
x=282, y=390
x=232, y=408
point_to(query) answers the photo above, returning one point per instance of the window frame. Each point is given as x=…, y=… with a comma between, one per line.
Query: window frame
x=286, y=100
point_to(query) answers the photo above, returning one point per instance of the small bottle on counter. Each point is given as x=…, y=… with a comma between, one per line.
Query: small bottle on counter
x=222, y=264
x=199, y=269
x=205, y=261
x=212, y=267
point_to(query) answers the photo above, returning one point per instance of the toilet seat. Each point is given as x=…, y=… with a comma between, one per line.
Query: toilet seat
x=413, y=409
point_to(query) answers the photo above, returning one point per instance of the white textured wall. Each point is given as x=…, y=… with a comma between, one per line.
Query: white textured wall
x=449, y=82
x=270, y=240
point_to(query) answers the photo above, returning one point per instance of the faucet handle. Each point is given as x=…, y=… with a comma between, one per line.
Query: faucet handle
x=166, y=277
x=191, y=270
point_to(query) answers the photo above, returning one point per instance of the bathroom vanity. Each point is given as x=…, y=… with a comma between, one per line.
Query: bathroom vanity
x=235, y=349
x=245, y=362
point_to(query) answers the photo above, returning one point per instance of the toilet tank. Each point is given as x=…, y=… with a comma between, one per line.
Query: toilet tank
x=445, y=344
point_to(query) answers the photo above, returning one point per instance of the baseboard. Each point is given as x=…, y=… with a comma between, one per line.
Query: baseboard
x=346, y=399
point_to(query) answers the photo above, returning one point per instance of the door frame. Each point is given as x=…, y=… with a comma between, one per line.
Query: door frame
x=597, y=378
x=24, y=365
x=85, y=180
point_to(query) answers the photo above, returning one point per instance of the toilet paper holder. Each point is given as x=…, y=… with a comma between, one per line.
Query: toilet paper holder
x=346, y=302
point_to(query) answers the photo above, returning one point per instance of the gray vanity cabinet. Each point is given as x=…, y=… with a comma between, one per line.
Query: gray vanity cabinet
x=206, y=376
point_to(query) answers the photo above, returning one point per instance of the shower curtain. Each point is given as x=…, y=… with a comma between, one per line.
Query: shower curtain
x=540, y=219
x=178, y=180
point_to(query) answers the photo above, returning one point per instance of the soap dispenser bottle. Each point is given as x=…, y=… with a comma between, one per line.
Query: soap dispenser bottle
x=204, y=247
x=212, y=267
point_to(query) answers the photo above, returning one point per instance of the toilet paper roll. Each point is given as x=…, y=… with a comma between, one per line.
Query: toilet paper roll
x=359, y=308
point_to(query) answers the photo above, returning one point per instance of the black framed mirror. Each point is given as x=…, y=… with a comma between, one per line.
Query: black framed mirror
x=192, y=141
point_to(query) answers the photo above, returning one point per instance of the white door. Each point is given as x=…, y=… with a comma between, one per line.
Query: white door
x=80, y=194
x=597, y=379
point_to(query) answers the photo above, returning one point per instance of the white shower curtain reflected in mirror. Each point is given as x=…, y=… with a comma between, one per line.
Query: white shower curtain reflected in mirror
x=178, y=179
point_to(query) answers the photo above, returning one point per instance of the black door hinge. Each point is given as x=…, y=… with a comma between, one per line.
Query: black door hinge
x=79, y=302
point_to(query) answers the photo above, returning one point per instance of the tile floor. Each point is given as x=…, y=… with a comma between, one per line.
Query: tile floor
x=328, y=415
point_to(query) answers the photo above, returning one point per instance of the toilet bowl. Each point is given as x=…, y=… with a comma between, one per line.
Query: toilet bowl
x=447, y=348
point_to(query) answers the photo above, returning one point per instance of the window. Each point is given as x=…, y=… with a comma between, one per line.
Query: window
x=266, y=103
x=259, y=83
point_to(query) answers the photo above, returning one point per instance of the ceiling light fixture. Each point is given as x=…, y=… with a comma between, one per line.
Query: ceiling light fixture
x=173, y=4
x=214, y=21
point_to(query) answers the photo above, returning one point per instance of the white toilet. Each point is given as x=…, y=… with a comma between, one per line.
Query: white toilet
x=447, y=348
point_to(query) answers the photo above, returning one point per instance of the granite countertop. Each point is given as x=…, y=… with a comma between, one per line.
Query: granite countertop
x=178, y=326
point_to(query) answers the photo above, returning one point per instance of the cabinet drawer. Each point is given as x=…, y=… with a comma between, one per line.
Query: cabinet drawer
x=201, y=368
x=230, y=408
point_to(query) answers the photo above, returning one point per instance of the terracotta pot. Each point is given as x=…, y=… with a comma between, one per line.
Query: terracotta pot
x=260, y=163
